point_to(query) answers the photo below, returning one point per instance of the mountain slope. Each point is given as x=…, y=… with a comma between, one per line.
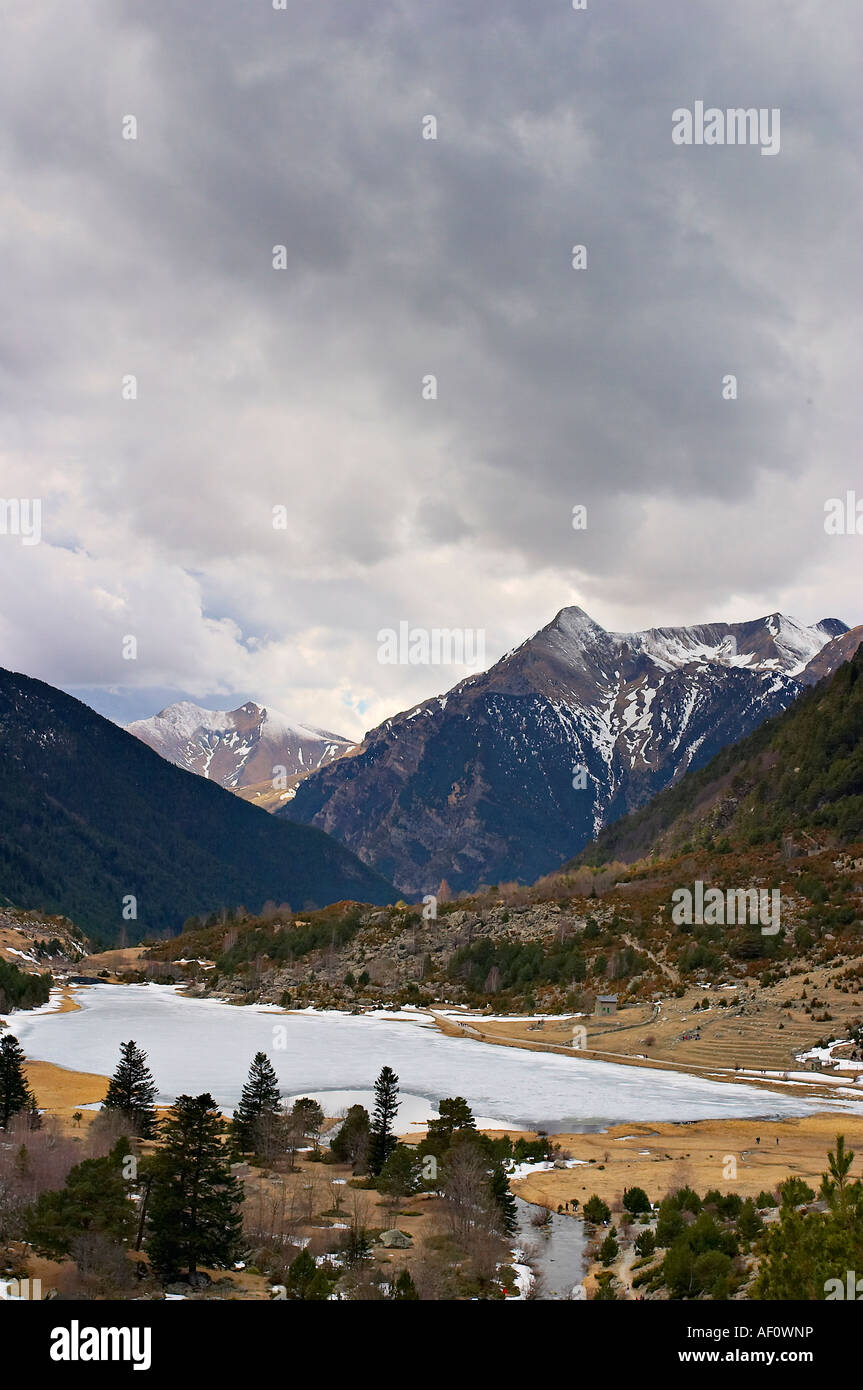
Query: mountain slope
x=480, y=785
x=89, y=815
x=832, y=656
x=799, y=775
x=241, y=749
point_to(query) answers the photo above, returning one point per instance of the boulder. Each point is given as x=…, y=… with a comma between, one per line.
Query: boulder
x=395, y=1240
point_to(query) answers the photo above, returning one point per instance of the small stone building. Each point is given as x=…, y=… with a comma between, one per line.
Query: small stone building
x=606, y=1005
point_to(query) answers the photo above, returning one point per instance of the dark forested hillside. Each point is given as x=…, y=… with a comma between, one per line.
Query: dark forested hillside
x=799, y=773
x=89, y=817
x=20, y=989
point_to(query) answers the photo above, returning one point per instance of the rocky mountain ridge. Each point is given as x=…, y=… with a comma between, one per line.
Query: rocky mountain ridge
x=515, y=769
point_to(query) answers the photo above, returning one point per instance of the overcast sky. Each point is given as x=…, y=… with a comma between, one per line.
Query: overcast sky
x=406, y=257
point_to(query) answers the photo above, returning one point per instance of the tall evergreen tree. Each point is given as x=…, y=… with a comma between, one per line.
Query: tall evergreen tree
x=132, y=1091
x=194, y=1215
x=383, y=1140
x=835, y=1187
x=257, y=1115
x=15, y=1094
x=504, y=1199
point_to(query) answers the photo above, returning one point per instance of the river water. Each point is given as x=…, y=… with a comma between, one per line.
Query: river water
x=555, y=1251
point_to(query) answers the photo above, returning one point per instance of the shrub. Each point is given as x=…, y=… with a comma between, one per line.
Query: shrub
x=609, y=1249
x=645, y=1245
x=636, y=1200
x=596, y=1211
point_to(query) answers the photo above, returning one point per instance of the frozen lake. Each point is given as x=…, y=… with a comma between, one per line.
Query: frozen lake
x=197, y=1045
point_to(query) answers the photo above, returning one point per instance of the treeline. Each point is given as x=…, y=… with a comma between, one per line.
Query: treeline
x=721, y=1245
x=21, y=990
x=488, y=966
x=286, y=942
x=165, y=1197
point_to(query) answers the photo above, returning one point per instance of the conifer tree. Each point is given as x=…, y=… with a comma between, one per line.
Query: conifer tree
x=309, y=1118
x=383, y=1140
x=500, y=1191
x=399, y=1176
x=319, y=1288
x=808, y=1254
x=257, y=1115
x=132, y=1091
x=301, y=1272
x=94, y=1201
x=404, y=1287
x=194, y=1215
x=834, y=1184
x=609, y=1250
x=453, y=1113
x=351, y=1143
x=15, y=1094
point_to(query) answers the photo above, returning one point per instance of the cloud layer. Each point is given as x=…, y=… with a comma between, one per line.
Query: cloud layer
x=405, y=257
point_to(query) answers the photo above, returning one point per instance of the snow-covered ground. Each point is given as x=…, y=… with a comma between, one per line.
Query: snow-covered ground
x=828, y=1056
x=197, y=1045
x=53, y=1005
x=517, y=1171
x=524, y=1279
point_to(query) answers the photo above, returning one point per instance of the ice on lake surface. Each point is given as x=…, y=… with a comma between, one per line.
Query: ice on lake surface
x=197, y=1045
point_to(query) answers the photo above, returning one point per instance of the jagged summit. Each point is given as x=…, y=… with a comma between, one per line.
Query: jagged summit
x=775, y=639
x=745, y=794
x=517, y=767
x=238, y=748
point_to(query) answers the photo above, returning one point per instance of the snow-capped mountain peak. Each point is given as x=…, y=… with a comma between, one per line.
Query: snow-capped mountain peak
x=244, y=748
x=517, y=767
x=776, y=642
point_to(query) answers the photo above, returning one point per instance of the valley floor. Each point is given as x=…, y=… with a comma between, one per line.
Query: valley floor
x=661, y=1157
x=746, y=1156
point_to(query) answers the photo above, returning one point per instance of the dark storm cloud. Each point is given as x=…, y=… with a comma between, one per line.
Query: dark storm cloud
x=407, y=257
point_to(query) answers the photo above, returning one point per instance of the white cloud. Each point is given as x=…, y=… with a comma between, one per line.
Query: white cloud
x=406, y=257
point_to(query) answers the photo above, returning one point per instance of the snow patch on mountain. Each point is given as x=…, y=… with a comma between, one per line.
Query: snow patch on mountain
x=479, y=784
x=797, y=642
x=241, y=747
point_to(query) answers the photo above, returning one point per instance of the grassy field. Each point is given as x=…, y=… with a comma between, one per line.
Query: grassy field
x=663, y=1157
